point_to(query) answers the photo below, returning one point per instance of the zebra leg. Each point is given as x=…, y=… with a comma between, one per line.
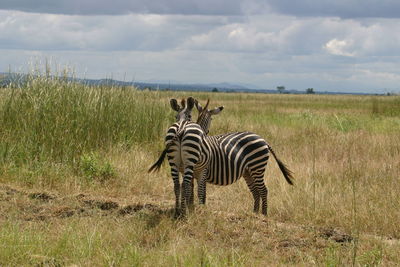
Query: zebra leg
x=177, y=189
x=201, y=189
x=191, y=199
x=250, y=183
x=261, y=189
x=187, y=189
x=182, y=210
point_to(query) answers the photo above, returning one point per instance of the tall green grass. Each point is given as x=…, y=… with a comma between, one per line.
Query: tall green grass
x=384, y=106
x=58, y=120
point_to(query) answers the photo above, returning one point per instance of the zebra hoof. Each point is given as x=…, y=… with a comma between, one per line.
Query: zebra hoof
x=264, y=212
x=179, y=214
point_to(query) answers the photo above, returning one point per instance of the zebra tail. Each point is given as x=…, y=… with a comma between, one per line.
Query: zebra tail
x=156, y=166
x=288, y=174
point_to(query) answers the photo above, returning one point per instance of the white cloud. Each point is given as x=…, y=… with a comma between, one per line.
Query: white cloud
x=339, y=47
x=326, y=53
x=302, y=36
x=128, y=32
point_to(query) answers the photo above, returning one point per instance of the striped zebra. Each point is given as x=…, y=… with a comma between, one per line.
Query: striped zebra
x=235, y=155
x=184, y=152
x=223, y=159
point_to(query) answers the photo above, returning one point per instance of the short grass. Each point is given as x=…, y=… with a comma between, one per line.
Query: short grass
x=74, y=187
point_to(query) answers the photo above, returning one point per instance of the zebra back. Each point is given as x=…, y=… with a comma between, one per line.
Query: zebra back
x=204, y=120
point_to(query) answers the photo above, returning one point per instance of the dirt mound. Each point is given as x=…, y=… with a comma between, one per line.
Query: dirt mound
x=131, y=209
x=101, y=204
x=41, y=196
x=41, y=206
x=336, y=235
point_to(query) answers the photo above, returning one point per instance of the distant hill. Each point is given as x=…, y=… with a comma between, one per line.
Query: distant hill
x=225, y=85
x=6, y=79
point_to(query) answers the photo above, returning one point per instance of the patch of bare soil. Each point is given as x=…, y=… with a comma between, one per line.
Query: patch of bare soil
x=336, y=235
x=41, y=196
x=101, y=204
x=133, y=208
x=41, y=206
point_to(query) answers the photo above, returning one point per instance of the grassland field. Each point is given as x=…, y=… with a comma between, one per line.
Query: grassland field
x=74, y=187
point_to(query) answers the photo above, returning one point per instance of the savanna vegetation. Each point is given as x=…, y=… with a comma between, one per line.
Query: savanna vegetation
x=74, y=187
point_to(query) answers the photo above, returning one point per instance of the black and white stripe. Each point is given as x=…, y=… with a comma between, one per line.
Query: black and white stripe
x=184, y=152
x=220, y=160
x=233, y=155
x=185, y=155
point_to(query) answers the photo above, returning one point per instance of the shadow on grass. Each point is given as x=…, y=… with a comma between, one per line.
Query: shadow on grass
x=152, y=214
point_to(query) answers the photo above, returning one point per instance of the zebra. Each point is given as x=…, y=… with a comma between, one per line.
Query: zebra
x=223, y=159
x=183, y=149
x=235, y=155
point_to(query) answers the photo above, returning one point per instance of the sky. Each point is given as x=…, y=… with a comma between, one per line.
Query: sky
x=341, y=45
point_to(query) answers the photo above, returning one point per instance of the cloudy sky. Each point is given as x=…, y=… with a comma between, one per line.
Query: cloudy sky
x=341, y=45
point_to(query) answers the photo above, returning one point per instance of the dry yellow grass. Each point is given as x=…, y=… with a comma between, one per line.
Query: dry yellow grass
x=342, y=210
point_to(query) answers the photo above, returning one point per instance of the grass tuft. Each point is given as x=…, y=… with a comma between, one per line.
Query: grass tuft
x=96, y=169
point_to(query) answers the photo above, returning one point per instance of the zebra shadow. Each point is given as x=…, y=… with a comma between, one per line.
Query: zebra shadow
x=150, y=213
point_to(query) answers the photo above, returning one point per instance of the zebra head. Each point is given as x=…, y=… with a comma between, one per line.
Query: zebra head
x=205, y=114
x=184, y=112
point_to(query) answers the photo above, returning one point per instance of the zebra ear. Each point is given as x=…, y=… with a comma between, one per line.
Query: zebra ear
x=216, y=111
x=174, y=105
x=190, y=103
x=198, y=106
x=206, y=106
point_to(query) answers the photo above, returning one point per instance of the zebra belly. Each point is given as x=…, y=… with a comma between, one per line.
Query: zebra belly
x=222, y=172
x=240, y=153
